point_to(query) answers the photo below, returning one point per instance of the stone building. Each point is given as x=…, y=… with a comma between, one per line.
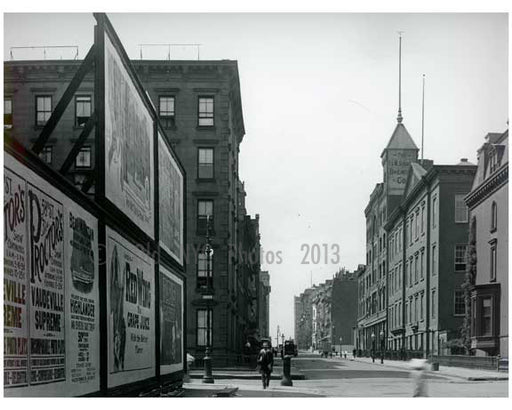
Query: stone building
x=427, y=241
x=303, y=319
x=488, y=205
x=199, y=106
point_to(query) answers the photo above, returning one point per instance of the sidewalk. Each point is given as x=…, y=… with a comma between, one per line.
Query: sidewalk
x=448, y=371
x=195, y=388
x=247, y=374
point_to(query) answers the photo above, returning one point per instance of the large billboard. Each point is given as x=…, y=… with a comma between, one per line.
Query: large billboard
x=51, y=305
x=171, y=322
x=170, y=186
x=129, y=163
x=130, y=309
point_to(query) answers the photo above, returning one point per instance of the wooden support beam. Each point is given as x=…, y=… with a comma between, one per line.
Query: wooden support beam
x=52, y=122
x=91, y=122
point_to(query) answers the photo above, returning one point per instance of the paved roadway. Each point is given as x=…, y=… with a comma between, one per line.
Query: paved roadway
x=346, y=378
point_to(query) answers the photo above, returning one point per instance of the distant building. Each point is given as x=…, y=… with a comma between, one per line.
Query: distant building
x=344, y=308
x=303, y=319
x=264, y=304
x=488, y=204
x=326, y=314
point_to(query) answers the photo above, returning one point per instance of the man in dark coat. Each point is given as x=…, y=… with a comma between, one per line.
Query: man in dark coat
x=266, y=363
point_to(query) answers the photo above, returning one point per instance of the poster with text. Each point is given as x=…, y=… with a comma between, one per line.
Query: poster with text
x=171, y=202
x=46, y=286
x=15, y=281
x=171, y=322
x=129, y=166
x=82, y=309
x=51, y=283
x=130, y=309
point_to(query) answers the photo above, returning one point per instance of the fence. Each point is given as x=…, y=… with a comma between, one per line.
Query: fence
x=472, y=362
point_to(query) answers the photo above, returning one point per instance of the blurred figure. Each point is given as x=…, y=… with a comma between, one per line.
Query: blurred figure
x=418, y=367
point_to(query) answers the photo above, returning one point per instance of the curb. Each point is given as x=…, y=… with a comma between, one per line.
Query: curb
x=443, y=374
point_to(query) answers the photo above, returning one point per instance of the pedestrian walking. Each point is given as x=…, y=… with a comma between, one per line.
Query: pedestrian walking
x=266, y=363
x=354, y=353
x=419, y=377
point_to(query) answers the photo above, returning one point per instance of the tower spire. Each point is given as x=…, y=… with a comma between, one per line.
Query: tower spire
x=399, y=118
x=422, y=118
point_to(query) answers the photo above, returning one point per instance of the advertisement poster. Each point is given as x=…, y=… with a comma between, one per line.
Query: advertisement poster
x=129, y=169
x=130, y=309
x=81, y=250
x=15, y=281
x=171, y=202
x=51, y=304
x=46, y=287
x=171, y=325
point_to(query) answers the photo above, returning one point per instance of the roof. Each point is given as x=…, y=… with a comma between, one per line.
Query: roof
x=400, y=139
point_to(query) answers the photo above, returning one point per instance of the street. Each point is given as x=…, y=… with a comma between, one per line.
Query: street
x=335, y=377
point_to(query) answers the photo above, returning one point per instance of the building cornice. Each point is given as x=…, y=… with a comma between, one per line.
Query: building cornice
x=488, y=187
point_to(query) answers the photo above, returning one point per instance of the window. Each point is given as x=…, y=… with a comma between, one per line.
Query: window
x=459, y=305
x=422, y=220
x=422, y=264
x=416, y=310
x=411, y=266
x=7, y=113
x=493, y=260
x=417, y=224
x=421, y=305
x=461, y=210
x=46, y=154
x=204, y=327
x=43, y=109
x=486, y=325
x=204, y=214
x=434, y=303
x=206, y=113
x=434, y=212
x=204, y=271
x=434, y=258
x=83, y=104
x=460, y=257
x=205, y=163
x=83, y=159
x=494, y=216
x=416, y=268
x=166, y=105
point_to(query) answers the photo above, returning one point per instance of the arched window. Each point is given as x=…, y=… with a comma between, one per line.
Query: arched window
x=494, y=216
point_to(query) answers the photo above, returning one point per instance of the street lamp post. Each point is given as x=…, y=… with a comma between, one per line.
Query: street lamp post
x=208, y=376
x=341, y=345
x=382, y=347
x=373, y=347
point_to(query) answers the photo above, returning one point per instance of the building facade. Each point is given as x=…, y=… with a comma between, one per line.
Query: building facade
x=426, y=250
x=303, y=319
x=396, y=158
x=488, y=275
x=199, y=106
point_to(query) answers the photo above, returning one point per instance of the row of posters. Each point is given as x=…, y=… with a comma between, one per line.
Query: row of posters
x=129, y=165
x=51, y=306
x=51, y=299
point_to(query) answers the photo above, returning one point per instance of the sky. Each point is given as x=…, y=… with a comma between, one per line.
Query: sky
x=320, y=98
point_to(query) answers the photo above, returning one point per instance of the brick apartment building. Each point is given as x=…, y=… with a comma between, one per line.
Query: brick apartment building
x=199, y=105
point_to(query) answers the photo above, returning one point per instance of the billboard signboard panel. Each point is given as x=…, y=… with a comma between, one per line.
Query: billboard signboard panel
x=171, y=202
x=130, y=310
x=129, y=134
x=51, y=303
x=171, y=322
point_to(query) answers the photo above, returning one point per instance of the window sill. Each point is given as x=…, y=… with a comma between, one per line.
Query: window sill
x=206, y=128
x=210, y=180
